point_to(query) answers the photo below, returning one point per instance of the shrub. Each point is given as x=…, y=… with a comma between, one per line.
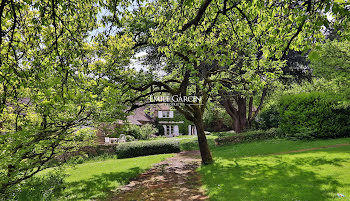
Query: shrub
x=250, y=136
x=268, y=118
x=134, y=149
x=143, y=132
x=129, y=138
x=314, y=115
x=46, y=187
x=147, y=130
x=193, y=144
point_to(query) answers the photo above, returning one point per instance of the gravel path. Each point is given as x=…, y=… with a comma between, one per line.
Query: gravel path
x=173, y=179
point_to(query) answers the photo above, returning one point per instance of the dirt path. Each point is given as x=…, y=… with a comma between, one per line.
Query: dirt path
x=173, y=179
x=311, y=149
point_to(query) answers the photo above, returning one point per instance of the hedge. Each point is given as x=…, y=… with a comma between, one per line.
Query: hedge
x=314, y=115
x=250, y=136
x=134, y=149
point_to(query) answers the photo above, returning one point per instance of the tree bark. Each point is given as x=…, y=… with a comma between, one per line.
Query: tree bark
x=196, y=116
x=203, y=143
x=242, y=112
x=238, y=115
x=239, y=125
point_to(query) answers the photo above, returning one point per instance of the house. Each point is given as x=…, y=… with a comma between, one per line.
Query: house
x=163, y=116
x=166, y=118
x=173, y=123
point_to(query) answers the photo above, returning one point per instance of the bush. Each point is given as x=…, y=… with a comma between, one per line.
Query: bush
x=46, y=187
x=314, y=115
x=191, y=145
x=134, y=149
x=143, y=132
x=129, y=138
x=250, y=136
x=268, y=118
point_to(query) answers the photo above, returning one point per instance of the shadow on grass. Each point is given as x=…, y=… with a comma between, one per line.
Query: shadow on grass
x=98, y=186
x=251, y=180
x=320, y=161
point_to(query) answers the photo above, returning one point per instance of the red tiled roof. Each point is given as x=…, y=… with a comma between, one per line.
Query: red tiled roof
x=138, y=117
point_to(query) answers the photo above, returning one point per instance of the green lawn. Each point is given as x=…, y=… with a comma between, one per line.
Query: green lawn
x=252, y=172
x=96, y=179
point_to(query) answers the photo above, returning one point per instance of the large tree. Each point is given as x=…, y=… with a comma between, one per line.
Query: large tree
x=331, y=60
x=47, y=91
x=208, y=46
x=269, y=44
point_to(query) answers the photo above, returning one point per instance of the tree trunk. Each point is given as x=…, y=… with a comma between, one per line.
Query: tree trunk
x=238, y=115
x=239, y=125
x=203, y=143
x=241, y=122
x=196, y=116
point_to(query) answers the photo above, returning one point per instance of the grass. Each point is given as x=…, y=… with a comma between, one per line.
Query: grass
x=252, y=171
x=96, y=179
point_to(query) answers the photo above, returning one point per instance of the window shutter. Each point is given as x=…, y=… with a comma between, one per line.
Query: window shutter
x=165, y=129
x=171, y=114
x=176, y=130
x=107, y=140
x=160, y=114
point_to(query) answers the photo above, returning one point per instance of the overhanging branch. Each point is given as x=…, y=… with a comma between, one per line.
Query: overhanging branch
x=198, y=16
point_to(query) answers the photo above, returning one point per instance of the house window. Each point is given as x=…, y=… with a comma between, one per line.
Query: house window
x=169, y=129
x=166, y=114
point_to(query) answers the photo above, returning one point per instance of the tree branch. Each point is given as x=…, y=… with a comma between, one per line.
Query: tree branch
x=260, y=105
x=299, y=29
x=198, y=16
x=250, y=107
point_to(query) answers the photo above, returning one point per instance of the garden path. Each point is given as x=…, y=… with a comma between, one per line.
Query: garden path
x=173, y=179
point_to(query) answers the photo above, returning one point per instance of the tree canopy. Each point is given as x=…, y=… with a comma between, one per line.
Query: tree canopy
x=210, y=48
x=48, y=93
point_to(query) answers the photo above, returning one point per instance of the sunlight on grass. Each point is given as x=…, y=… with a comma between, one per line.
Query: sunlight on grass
x=252, y=172
x=98, y=178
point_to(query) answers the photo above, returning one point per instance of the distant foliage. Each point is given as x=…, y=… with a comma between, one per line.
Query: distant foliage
x=134, y=149
x=250, y=136
x=314, y=115
x=331, y=60
x=268, y=118
x=216, y=119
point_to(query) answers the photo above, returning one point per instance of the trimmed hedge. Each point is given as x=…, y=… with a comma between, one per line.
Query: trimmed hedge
x=250, y=136
x=134, y=149
x=314, y=115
